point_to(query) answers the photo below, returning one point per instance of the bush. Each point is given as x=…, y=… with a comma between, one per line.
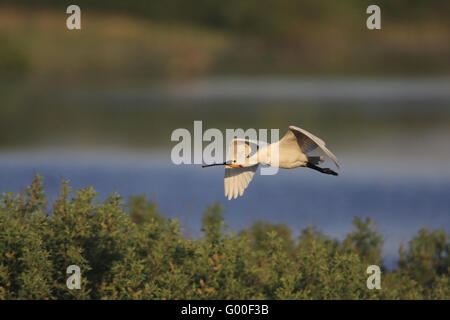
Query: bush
x=132, y=252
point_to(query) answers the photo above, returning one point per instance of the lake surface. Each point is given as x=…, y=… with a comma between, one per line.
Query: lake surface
x=400, y=199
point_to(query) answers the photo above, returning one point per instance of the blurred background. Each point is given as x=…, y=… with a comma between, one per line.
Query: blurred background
x=97, y=106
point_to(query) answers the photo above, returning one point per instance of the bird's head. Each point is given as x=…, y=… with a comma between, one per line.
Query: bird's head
x=244, y=163
x=234, y=164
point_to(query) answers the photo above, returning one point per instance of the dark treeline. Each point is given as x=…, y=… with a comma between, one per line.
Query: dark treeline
x=257, y=16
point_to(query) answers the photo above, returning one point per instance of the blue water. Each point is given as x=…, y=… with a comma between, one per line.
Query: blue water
x=399, y=202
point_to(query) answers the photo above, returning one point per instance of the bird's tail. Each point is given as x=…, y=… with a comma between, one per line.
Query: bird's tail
x=315, y=160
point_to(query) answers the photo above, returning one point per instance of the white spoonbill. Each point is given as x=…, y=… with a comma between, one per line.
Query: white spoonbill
x=241, y=162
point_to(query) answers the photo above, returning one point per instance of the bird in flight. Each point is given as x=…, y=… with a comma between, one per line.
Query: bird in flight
x=245, y=155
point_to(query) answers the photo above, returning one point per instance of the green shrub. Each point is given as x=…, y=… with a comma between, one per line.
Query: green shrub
x=129, y=251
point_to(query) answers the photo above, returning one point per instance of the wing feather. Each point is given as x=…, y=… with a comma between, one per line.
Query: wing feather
x=237, y=180
x=306, y=141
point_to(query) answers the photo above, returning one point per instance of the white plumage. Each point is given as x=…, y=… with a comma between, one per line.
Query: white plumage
x=244, y=157
x=237, y=179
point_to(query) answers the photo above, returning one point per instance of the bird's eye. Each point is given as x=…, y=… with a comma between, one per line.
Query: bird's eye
x=234, y=161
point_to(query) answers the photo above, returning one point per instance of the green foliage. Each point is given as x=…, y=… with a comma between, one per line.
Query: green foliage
x=213, y=223
x=129, y=251
x=365, y=241
x=13, y=59
x=428, y=257
x=259, y=235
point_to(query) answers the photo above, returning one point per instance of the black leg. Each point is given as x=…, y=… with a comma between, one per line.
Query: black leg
x=323, y=170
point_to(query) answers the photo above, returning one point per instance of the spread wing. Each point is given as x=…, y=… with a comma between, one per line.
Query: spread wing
x=237, y=179
x=297, y=137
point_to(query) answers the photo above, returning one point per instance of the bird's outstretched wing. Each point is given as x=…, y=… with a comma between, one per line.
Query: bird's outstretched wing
x=306, y=141
x=237, y=179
